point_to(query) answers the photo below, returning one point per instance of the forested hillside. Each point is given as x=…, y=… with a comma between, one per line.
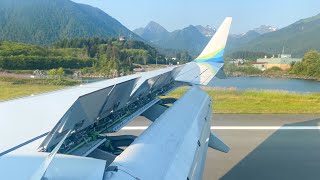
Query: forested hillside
x=297, y=39
x=44, y=22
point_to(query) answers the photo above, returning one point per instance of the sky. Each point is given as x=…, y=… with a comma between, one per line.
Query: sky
x=177, y=14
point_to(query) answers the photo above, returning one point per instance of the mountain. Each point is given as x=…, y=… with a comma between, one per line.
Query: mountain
x=263, y=29
x=207, y=31
x=192, y=38
x=236, y=40
x=153, y=32
x=189, y=39
x=296, y=39
x=44, y=22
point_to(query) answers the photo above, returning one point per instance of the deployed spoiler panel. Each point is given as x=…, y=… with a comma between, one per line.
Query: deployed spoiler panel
x=88, y=109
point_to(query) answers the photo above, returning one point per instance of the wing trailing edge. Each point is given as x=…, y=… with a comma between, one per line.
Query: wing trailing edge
x=209, y=63
x=38, y=175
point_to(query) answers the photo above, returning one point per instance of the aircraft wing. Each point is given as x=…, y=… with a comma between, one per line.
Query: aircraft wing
x=174, y=146
x=67, y=134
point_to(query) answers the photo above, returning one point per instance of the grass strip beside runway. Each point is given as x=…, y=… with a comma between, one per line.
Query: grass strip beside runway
x=259, y=101
x=225, y=100
x=13, y=87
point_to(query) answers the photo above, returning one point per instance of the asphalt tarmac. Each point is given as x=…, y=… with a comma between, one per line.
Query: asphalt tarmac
x=263, y=147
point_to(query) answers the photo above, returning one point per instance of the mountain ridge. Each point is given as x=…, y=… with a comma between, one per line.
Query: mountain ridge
x=296, y=39
x=182, y=39
x=192, y=38
x=44, y=22
x=153, y=32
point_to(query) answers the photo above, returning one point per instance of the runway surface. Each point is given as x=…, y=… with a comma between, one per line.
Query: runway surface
x=262, y=146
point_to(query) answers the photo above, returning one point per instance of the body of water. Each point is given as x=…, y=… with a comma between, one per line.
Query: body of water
x=242, y=83
x=260, y=83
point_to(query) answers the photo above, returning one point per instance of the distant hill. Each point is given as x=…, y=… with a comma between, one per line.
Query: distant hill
x=44, y=22
x=207, y=31
x=296, y=39
x=189, y=39
x=153, y=32
x=236, y=41
x=263, y=29
x=192, y=38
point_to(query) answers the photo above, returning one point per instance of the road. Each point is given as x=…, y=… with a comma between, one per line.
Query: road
x=259, y=149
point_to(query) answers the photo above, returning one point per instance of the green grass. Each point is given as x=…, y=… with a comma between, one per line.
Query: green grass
x=11, y=87
x=259, y=102
x=9, y=90
x=225, y=100
x=58, y=82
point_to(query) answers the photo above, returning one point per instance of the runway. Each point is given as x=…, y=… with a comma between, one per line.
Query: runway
x=262, y=146
x=133, y=128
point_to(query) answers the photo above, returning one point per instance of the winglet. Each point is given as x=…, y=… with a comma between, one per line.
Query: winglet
x=210, y=62
x=217, y=144
x=214, y=51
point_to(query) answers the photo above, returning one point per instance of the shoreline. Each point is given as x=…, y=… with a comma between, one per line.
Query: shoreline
x=275, y=76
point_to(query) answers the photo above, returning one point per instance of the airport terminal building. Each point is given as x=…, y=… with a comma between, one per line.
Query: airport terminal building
x=283, y=61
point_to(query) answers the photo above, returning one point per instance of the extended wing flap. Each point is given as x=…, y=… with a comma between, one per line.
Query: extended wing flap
x=217, y=144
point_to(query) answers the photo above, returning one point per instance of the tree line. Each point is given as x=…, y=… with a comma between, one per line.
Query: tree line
x=43, y=62
x=309, y=66
x=91, y=54
x=252, y=56
x=19, y=56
